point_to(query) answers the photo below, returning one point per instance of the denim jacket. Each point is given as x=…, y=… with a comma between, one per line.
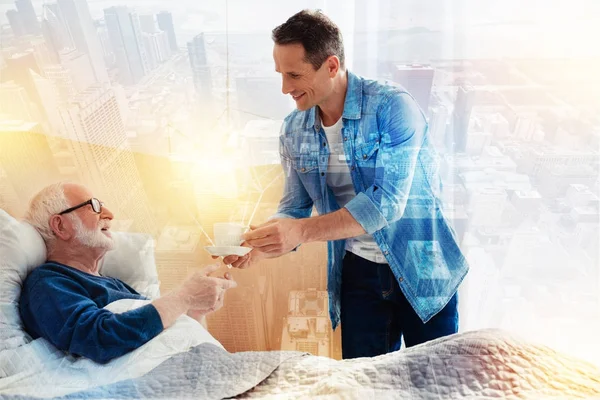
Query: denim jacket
x=395, y=173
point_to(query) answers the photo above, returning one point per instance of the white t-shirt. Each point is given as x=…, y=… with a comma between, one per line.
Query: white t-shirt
x=340, y=182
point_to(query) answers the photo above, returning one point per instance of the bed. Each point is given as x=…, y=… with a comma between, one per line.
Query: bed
x=185, y=361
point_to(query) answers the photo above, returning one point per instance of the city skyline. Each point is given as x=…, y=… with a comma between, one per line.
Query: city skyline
x=178, y=128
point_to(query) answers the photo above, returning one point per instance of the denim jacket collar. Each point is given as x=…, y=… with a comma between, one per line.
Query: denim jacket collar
x=352, y=104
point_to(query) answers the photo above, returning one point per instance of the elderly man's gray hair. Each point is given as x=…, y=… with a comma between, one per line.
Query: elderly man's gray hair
x=49, y=201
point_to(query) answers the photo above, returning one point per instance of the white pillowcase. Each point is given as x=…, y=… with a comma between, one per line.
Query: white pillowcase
x=22, y=249
x=133, y=262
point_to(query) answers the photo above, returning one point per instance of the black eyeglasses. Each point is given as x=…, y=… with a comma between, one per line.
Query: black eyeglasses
x=96, y=206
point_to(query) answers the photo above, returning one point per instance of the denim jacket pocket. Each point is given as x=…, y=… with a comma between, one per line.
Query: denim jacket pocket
x=305, y=162
x=365, y=151
x=307, y=167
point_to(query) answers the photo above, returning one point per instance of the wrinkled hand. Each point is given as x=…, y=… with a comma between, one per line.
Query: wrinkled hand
x=204, y=294
x=276, y=237
x=199, y=314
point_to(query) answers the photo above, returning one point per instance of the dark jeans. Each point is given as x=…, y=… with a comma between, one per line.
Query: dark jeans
x=375, y=313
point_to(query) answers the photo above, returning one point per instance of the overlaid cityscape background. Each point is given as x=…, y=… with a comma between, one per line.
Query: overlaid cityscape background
x=171, y=111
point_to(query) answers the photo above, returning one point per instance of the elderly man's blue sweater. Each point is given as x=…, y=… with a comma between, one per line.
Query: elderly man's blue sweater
x=65, y=306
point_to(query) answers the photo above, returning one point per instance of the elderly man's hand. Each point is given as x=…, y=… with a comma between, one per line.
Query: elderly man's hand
x=199, y=315
x=204, y=294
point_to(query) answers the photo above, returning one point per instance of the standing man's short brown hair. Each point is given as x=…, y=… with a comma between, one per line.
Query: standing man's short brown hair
x=319, y=36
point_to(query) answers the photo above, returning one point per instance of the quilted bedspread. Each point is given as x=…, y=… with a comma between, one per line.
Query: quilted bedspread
x=205, y=372
x=474, y=365
x=486, y=364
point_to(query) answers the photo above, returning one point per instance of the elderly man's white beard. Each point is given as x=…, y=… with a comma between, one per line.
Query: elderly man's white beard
x=92, y=237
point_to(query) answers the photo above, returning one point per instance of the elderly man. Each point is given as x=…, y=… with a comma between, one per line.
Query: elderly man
x=63, y=299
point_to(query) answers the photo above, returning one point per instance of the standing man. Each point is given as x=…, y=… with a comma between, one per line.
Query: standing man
x=359, y=151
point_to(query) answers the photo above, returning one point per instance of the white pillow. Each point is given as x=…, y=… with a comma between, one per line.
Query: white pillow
x=133, y=262
x=22, y=249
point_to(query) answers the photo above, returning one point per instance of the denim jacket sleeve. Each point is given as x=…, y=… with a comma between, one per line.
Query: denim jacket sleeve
x=403, y=128
x=295, y=202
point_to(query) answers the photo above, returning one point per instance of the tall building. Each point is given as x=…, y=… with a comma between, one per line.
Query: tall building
x=461, y=117
x=56, y=12
x=54, y=30
x=107, y=52
x=438, y=124
x=18, y=69
x=78, y=65
x=240, y=324
x=135, y=23
x=498, y=126
x=147, y=24
x=16, y=104
x=77, y=16
x=308, y=327
x=49, y=103
x=62, y=80
x=165, y=23
x=151, y=51
x=50, y=39
x=14, y=19
x=157, y=48
x=126, y=40
x=26, y=160
x=417, y=79
x=526, y=126
x=20, y=62
x=41, y=51
x=201, y=73
x=97, y=144
x=162, y=45
x=94, y=118
x=28, y=16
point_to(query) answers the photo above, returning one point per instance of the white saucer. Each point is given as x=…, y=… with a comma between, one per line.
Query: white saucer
x=224, y=251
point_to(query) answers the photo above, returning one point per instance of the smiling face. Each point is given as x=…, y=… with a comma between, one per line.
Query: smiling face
x=98, y=238
x=307, y=86
x=88, y=228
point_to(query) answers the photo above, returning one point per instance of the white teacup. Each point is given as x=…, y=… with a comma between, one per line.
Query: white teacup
x=228, y=233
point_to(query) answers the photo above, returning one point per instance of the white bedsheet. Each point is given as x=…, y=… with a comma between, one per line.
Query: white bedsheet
x=53, y=373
